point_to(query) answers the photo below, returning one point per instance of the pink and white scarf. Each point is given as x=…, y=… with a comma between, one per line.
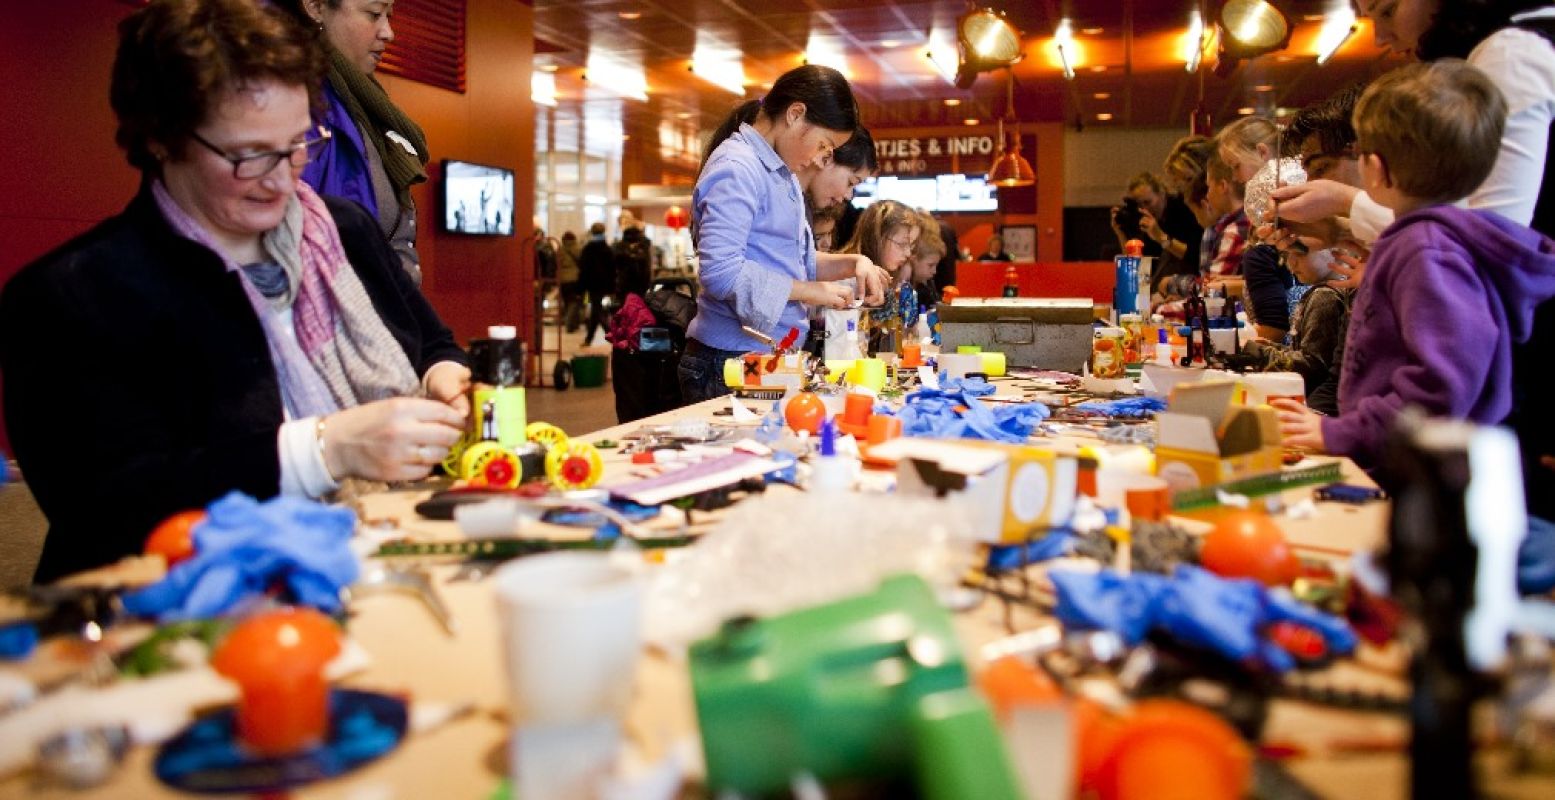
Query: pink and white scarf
x=341, y=354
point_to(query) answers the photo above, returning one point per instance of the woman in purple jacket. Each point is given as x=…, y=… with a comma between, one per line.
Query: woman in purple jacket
x=377, y=152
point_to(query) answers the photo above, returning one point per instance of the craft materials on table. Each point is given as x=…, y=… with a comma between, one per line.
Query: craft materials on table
x=246, y=547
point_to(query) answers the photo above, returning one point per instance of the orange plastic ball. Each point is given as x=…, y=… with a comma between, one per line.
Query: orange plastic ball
x=173, y=538
x=277, y=658
x=805, y=412
x=1247, y=544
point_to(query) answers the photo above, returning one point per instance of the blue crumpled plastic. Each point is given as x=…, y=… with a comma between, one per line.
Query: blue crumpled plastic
x=1056, y=544
x=770, y=430
x=245, y=547
x=1124, y=408
x=1195, y=607
x=1536, y=558
x=932, y=413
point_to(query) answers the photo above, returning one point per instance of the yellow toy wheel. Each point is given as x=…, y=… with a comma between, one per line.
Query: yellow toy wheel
x=574, y=466
x=489, y=464
x=546, y=435
x=453, y=462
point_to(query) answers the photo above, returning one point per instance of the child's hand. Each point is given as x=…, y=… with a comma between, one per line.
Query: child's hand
x=1300, y=426
x=1352, y=267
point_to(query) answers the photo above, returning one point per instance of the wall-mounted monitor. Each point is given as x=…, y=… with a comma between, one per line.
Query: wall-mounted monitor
x=477, y=199
x=935, y=193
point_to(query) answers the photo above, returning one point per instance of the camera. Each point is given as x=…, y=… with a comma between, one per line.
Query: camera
x=1128, y=218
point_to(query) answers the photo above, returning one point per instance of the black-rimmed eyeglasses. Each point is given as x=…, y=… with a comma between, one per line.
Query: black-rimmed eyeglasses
x=258, y=165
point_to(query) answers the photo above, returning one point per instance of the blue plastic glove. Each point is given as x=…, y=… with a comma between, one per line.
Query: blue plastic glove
x=771, y=427
x=1124, y=408
x=932, y=413
x=1055, y=544
x=245, y=547
x=1536, y=558
x=1195, y=607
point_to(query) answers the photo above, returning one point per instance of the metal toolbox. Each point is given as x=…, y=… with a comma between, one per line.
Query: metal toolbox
x=1045, y=333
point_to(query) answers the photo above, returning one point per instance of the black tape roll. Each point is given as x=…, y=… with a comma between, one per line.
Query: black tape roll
x=497, y=362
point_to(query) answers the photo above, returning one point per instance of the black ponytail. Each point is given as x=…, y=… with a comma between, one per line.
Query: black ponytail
x=744, y=114
x=827, y=98
x=858, y=152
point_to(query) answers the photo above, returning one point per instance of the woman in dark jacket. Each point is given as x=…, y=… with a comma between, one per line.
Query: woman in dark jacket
x=230, y=330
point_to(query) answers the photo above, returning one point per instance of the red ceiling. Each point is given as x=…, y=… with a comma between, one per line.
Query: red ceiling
x=1137, y=48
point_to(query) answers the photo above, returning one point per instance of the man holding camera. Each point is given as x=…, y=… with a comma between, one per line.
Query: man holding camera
x=1163, y=222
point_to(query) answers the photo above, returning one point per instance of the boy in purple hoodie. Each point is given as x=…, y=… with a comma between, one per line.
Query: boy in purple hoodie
x=1447, y=291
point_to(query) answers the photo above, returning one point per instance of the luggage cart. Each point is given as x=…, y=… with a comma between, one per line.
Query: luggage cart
x=561, y=370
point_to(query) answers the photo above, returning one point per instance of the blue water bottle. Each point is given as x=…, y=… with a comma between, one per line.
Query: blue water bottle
x=1125, y=289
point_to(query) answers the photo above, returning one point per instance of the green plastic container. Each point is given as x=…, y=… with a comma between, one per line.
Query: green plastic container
x=588, y=371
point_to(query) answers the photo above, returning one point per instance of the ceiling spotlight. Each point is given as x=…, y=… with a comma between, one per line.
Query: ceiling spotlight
x=629, y=15
x=1063, y=39
x=683, y=115
x=1253, y=27
x=1104, y=117
x=987, y=41
x=972, y=121
x=1246, y=110
x=1099, y=68
x=951, y=101
x=1102, y=95
x=890, y=43
x=1193, y=42
x=1091, y=31
x=1337, y=30
x=1263, y=87
x=548, y=67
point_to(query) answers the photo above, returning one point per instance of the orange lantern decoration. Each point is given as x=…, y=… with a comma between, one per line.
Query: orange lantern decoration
x=676, y=217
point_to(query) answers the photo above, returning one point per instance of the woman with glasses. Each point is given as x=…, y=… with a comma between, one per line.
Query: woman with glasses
x=230, y=329
x=377, y=153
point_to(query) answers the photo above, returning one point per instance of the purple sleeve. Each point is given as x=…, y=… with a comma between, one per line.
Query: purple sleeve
x=340, y=170
x=1447, y=335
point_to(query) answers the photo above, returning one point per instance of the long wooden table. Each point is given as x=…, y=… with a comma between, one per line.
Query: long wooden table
x=466, y=757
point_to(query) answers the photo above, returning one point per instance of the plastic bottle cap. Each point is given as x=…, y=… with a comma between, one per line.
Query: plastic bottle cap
x=1133, y=247
x=502, y=332
x=1160, y=335
x=828, y=438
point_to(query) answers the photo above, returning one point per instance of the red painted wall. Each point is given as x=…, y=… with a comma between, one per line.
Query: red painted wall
x=1093, y=279
x=63, y=172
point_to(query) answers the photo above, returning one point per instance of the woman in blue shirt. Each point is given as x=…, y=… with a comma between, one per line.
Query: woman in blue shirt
x=756, y=257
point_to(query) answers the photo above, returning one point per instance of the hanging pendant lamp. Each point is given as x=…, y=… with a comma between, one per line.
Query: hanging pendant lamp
x=1011, y=169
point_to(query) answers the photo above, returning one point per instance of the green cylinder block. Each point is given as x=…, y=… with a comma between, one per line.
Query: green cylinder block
x=871, y=687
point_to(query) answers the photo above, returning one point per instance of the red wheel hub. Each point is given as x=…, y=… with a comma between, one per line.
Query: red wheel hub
x=500, y=472
x=575, y=469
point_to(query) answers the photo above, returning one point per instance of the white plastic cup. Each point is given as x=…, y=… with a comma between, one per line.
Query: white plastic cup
x=572, y=631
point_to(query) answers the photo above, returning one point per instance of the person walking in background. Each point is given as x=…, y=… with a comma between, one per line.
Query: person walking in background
x=567, y=276
x=597, y=274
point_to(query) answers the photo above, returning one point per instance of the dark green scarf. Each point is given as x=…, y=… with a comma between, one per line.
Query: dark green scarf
x=369, y=105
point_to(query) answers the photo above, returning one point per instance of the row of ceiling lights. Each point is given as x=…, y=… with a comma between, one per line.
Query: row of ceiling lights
x=1246, y=28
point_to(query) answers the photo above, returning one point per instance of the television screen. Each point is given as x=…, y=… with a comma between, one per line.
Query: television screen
x=477, y=199
x=936, y=193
